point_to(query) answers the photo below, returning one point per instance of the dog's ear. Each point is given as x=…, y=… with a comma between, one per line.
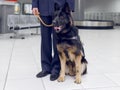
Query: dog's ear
x=56, y=7
x=66, y=8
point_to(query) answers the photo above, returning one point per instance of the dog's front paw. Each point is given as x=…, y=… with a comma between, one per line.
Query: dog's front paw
x=61, y=79
x=77, y=81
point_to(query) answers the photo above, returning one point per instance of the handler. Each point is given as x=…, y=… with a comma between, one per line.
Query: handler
x=50, y=64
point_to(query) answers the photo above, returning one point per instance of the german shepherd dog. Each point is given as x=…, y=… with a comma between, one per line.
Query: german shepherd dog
x=69, y=46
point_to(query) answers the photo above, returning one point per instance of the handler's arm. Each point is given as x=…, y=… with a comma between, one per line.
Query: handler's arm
x=35, y=6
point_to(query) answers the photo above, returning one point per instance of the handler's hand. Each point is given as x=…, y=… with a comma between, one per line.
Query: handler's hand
x=35, y=11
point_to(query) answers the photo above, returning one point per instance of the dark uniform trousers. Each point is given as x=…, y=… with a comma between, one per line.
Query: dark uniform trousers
x=49, y=63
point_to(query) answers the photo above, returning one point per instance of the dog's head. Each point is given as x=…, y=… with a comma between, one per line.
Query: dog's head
x=62, y=18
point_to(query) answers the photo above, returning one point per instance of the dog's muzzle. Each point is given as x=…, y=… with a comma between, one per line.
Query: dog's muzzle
x=57, y=28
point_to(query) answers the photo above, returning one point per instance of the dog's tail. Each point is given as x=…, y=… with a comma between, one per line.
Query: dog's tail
x=82, y=49
x=84, y=65
x=83, y=62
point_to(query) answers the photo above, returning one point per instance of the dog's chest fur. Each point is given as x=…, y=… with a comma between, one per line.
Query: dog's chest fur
x=67, y=51
x=69, y=47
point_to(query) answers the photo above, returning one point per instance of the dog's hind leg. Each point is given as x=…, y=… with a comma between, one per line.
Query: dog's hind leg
x=78, y=67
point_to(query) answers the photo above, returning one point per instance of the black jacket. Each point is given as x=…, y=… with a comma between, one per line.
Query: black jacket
x=46, y=7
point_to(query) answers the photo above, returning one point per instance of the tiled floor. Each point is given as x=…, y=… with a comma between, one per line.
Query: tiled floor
x=20, y=62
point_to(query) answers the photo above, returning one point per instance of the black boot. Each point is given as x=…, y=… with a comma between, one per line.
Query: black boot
x=54, y=77
x=42, y=74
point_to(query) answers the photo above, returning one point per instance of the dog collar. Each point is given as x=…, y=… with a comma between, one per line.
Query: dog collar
x=73, y=38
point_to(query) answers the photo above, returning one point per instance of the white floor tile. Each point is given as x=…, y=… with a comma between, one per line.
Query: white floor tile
x=111, y=88
x=6, y=46
x=24, y=84
x=22, y=70
x=23, y=62
x=102, y=49
x=68, y=84
x=1, y=86
x=97, y=81
x=115, y=77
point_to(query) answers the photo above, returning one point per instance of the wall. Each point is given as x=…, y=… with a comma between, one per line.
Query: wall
x=79, y=10
x=25, y=1
x=102, y=5
x=4, y=11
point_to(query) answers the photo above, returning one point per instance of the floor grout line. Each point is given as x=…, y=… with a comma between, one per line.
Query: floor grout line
x=7, y=85
x=43, y=84
x=37, y=67
x=8, y=66
x=111, y=80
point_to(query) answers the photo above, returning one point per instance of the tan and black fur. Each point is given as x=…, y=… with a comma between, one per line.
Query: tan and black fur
x=69, y=46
